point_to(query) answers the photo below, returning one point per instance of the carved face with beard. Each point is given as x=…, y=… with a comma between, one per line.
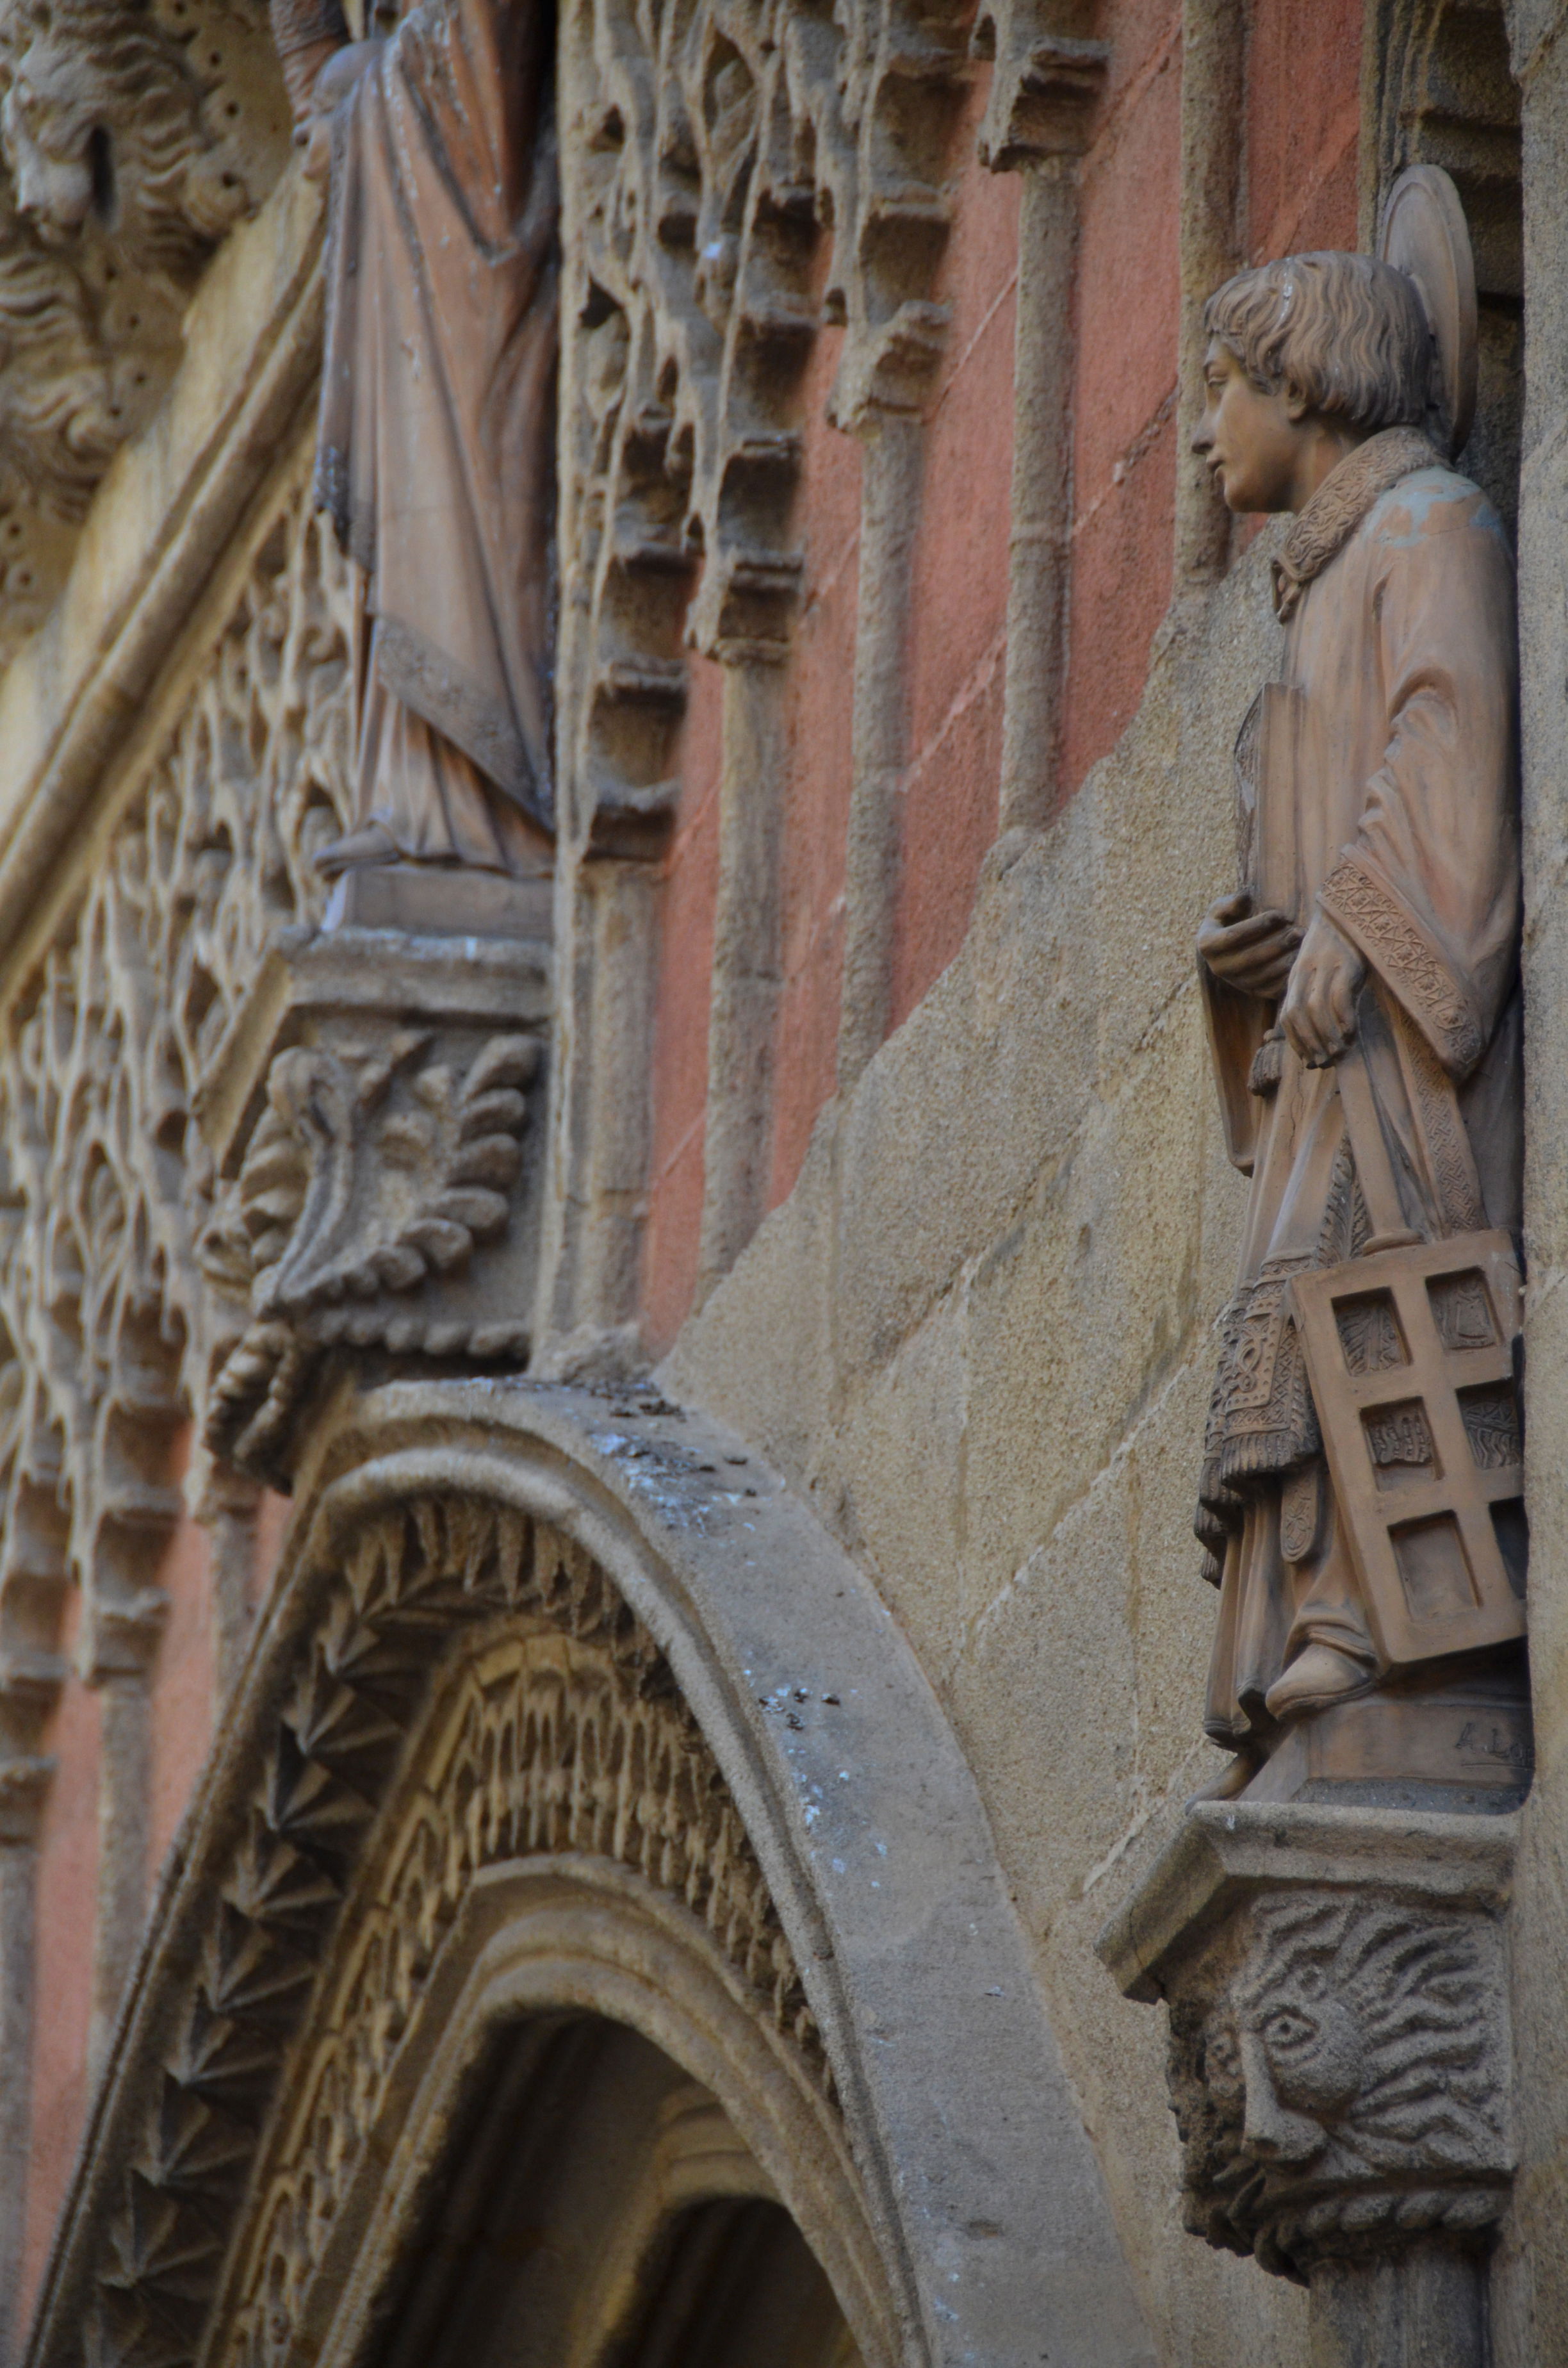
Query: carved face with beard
x=104, y=127
x=1348, y=2074
x=59, y=162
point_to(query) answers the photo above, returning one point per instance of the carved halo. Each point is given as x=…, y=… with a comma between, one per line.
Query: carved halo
x=1424, y=235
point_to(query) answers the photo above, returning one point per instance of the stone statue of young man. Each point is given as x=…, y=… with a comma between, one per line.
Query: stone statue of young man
x=437, y=416
x=1375, y=945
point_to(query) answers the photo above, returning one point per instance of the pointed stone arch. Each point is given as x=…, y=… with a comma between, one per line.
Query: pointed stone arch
x=564, y=1704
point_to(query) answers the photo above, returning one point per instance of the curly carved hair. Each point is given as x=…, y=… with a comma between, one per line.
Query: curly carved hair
x=1348, y=334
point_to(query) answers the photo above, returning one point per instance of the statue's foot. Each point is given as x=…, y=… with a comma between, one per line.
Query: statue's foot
x=1316, y=1679
x=1231, y=1782
x=369, y=844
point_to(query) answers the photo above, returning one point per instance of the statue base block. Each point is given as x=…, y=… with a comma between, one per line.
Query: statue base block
x=442, y=900
x=1461, y=1747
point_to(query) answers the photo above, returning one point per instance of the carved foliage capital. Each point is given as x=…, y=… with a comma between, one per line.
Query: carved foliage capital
x=388, y=1150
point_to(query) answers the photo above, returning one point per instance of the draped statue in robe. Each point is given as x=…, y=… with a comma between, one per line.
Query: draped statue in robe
x=1363, y=1004
x=436, y=434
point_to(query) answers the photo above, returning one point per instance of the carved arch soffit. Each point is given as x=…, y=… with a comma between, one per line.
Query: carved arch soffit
x=578, y=1708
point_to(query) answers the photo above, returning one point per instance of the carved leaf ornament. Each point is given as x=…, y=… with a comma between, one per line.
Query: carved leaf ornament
x=349, y=1193
x=474, y=1690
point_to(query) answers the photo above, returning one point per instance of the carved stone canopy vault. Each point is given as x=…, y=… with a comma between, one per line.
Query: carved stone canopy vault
x=532, y=1729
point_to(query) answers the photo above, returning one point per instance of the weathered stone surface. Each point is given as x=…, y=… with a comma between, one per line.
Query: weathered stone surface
x=1062, y=1041
x=1341, y=2057
x=856, y=1890
x=132, y=140
x=373, y=1113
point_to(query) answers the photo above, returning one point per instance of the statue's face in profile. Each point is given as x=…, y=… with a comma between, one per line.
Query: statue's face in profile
x=1250, y=440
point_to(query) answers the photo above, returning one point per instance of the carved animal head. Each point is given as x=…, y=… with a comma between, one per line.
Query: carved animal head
x=51, y=142
x=1345, y=2075
x=102, y=122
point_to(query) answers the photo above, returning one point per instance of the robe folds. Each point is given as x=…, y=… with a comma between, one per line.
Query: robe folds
x=436, y=445
x=1376, y=782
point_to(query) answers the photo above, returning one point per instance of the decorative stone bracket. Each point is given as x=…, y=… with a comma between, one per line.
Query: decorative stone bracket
x=1339, y=2053
x=1045, y=85
x=376, y=1126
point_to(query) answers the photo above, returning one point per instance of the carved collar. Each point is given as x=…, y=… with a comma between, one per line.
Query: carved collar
x=1339, y=505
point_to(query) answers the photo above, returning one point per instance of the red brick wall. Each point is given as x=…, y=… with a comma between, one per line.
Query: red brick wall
x=1125, y=383
x=1300, y=136
x=958, y=640
x=1303, y=124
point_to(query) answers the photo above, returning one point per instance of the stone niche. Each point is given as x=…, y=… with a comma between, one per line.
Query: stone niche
x=377, y=1121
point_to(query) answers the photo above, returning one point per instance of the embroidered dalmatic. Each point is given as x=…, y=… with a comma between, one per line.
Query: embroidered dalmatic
x=438, y=426
x=1377, y=780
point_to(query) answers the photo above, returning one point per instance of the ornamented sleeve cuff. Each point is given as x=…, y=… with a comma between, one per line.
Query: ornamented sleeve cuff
x=1406, y=957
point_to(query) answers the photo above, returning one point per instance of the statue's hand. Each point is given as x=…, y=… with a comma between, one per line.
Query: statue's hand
x=1251, y=951
x=330, y=86
x=1319, y=1015
x=301, y=68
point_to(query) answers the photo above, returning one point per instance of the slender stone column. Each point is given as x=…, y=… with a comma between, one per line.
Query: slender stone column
x=24, y=1782
x=227, y=1510
x=1212, y=57
x=1039, y=539
x=745, y=974
x=1536, y=2300
x=124, y=1640
x=1424, y=2309
x=1038, y=122
x=892, y=450
x=599, y=1125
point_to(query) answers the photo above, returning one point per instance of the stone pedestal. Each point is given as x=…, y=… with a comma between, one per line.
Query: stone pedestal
x=1340, y=2058
x=1442, y=1742
x=435, y=900
x=376, y=1116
